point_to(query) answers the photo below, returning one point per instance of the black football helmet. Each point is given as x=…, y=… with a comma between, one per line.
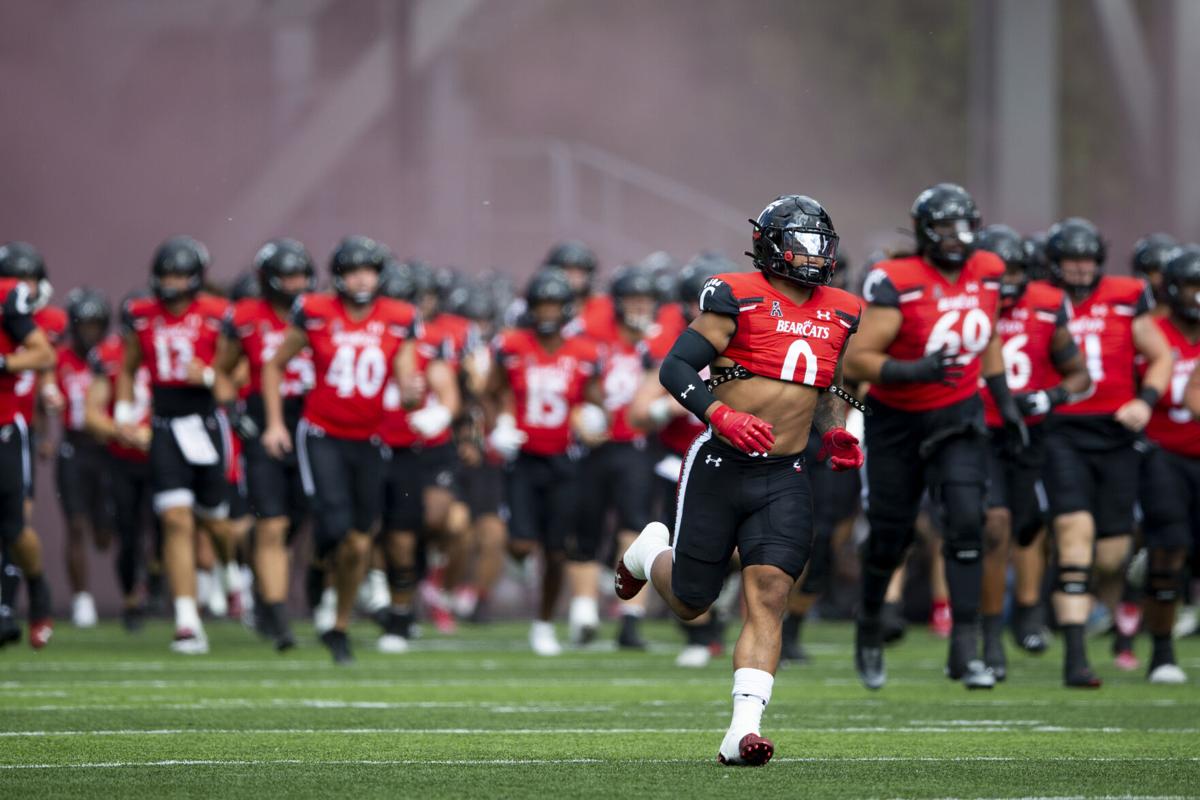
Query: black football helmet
x=572, y=254
x=1152, y=253
x=693, y=275
x=1009, y=246
x=1036, y=265
x=1074, y=238
x=179, y=255
x=86, y=305
x=945, y=202
x=791, y=229
x=633, y=281
x=550, y=286
x=245, y=286
x=473, y=301
x=352, y=253
x=278, y=259
x=1183, y=270
x=21, y=260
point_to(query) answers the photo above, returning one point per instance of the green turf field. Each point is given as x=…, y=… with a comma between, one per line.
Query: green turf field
x=101, y=714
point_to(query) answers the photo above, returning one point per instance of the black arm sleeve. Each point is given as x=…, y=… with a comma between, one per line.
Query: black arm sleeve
x=17, y=319
x=680, y=372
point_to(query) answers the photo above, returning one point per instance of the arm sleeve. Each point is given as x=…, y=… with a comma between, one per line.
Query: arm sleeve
x=680, y=372
x=18, y=321
x=1145, y=302
x=1062, y=316
x=879, y=290
x=228, y=328
x=299, y=315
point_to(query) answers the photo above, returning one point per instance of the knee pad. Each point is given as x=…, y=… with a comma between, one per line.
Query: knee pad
x=885, y=547
x=962, y=514
x=402, y=578
x=1073, y=579
x=1163, y=585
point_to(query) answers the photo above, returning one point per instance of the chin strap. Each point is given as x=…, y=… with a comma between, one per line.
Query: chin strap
x=738, y=372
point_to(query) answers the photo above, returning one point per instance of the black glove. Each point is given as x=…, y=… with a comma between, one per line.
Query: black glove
x=940, y=367
x=242, y=423
x=1016, y=434
x=1033, y=404
x=3, y=363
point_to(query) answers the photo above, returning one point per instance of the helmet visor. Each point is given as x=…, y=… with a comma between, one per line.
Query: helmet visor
x=799, y=245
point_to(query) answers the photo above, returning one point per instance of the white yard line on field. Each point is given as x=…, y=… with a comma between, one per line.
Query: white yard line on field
x=569, y=731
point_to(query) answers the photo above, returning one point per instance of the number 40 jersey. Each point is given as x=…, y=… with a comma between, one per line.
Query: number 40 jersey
x=937, y=314
x=352, y=361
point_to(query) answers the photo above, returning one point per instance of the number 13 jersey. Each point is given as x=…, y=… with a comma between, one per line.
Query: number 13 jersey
x=352, y=361
x=937, y=314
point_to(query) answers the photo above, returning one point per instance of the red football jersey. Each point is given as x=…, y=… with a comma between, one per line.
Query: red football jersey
x=74, y=373
x=169, y=342
x=53, y=322
x=352, y=361
x=16, y=323
x=1172, y=425
x=597, y=318
x=253, y=323
x=106, y=360
x=622, y=366
x=448, y=337
x=394, y=429
x=778, y=339
x=546, y=386
x=937, y=314
x=1027, y=330
x=1103, y=326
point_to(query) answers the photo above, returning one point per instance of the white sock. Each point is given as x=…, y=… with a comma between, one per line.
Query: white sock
x=186, y=615
x=204, y=585
x=233, y=578
x=640, y=556
x=751, y=693
x=584, y=611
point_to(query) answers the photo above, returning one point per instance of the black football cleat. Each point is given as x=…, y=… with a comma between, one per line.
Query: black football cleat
x=892, y=621
x=793, y=653
x=339, y=646
x=1028, y=629
x=868, y=659
x=10, y=630
x=993, y=648
x=1081, y=677
x=630, y=636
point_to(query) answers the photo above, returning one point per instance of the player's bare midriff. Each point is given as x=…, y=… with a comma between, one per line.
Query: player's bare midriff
x=787, y=406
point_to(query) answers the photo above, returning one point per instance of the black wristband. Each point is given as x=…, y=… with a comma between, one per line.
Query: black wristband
x=1150, y=395
x=1057, y=396
x=680, y=372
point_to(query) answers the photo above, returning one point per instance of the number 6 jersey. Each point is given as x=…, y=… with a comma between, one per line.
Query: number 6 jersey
x=1027, y=330
x=936, y=314
x=352, y=361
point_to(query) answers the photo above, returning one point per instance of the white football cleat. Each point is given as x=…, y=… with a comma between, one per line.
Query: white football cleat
x=392, y=644
x=694, y=656
x=189, y=643
x=83, y=611
x=543, y=639
x=583, y=620
x=325, y=614
x=1168, y=674
x=1187, y=622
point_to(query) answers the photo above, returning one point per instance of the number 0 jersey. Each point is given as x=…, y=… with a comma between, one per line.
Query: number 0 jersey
x=545, y=385
x=170, y=343
x=776, y=338
x=1171, y=425
x=352, y=360
x=1027, y=331
x=1103, y=327
x=936, y=314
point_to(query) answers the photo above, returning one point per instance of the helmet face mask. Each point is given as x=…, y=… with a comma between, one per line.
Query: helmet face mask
x=1075, y=253
x=635, y=295
x=1009, y=247
x=549, y=302
x=794, y=239
x=945, y=219
x=276, y=264
x=1181, y=283
x=352, y=261
x=178, y=256
x=88, y=317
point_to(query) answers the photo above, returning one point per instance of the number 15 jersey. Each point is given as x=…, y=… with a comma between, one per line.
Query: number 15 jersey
x=937, y=314
x=352, y=361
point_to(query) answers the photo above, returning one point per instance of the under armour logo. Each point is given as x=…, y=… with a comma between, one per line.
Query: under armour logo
x=684, y=394
x=776, y=311
x=825, y=315
x=716, y=462
x=798, y=465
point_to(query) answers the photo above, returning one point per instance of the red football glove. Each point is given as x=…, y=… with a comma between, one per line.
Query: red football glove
x=841, y=448
x=745, y=431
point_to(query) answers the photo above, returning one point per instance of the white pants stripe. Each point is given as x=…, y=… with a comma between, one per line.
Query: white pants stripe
x=688, y=461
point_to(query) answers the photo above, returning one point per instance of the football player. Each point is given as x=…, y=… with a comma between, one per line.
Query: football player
x=773, y=340
x=1150, y=257
x=928, y=338
x=359, y=342
x=1092, y=463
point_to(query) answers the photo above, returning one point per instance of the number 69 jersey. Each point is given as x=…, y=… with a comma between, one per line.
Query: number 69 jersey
x=352, y=361
x=775, y=338
x=546, y=386
x=937, y=315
